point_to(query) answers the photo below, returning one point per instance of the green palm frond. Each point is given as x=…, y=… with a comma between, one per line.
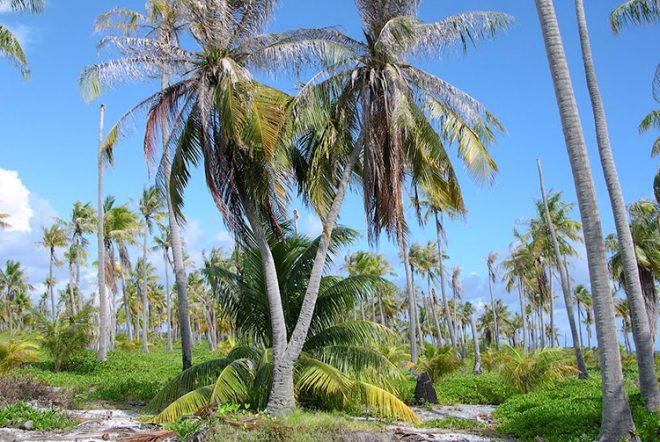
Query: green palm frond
x=188, y=404
x=11, y=48
x=234, y=382
x=383, y=403
x=349, y=333
x=195, y=377
x=634, y=12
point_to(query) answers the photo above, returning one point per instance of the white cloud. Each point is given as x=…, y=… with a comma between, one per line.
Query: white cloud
x=15, y=201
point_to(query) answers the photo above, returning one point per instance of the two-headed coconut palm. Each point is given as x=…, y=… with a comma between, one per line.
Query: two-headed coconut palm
x=218, y=112
x=340, y=363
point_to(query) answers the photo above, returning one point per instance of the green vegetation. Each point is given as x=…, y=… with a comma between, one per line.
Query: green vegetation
x=125, y=377
x=16, y=415
x=462, y=388
x=570, y=411
x=454, y=423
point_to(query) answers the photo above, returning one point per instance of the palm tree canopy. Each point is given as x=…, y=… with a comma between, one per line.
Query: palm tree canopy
x=634, y=12
x=10, y=47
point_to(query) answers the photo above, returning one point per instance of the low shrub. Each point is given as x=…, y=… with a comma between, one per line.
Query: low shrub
x=14, y=353
x=529, y=371
x=18, y=414
x=463, y=388
x=438, y=362
x=570, y=411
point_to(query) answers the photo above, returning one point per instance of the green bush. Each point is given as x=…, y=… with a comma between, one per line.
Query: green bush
x=570, y=411
x=484, y=389
x=16, y=415
x=530, y=371
x=67, y=337
x=438, y=362
x=185, y=428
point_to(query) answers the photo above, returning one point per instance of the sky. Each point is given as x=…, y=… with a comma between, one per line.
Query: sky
x=48, y=134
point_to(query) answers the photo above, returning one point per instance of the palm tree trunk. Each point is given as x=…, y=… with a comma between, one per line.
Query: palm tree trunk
x=551, y=299
x=145, y=311
x=496, y=334
x=78, y=292
x=477, y=351
x=168, y=302
x=51, y=290
x=579, y=322
x=412, y=315
x=568, y=299
x=418, y=319
x=104, y=315
x=180, y=278
x=127, y=310
x=434, y=304
x=72, y=303
x=443, y=285
x=642, y=332
x=616, y=417
x=647, y=278
x=522, y=315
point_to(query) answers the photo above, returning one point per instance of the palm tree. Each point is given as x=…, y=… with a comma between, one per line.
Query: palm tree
x=151, y=206
x=52, y=238
x=248, y=144
x=340, y=360
x=120, y=229
x=13, y=282
x=81, y=223
x=565, y=284
x=642, y=332
x=622, y=309
x=457, y=291
x=584, y=296
x=490, y=263
x=164, y=243
x=164, y=22
x=616, y=418
x=10, y=47
x=372, y=264
x=635, y=12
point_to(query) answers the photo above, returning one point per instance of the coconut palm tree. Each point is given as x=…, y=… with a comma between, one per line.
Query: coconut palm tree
x=151, y=208
x=81, y=222
x=490, y=264
x=10, y=47
x=53, y=237
x=200, y=100
x=616, y=417
x=642, y=331
x=340, y=362
x=13, y=282
x=372, y=264
x=565, y=284
x=622, y=310
x=584, y=296
x=164, y=22
x=120, y=230
x=163, y=242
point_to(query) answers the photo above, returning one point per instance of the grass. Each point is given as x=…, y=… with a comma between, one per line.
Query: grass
x=16, y=415
x=127, y=376
x=297, y=427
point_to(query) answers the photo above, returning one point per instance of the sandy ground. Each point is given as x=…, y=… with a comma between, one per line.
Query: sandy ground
x=120, y=425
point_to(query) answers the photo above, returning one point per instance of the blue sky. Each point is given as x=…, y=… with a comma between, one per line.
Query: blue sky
x=48, y=134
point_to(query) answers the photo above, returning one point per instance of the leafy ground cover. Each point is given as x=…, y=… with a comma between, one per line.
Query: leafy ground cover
x=20, y=415
x=126, y=377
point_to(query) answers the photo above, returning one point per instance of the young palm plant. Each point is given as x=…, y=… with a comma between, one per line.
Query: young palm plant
x=340, y=362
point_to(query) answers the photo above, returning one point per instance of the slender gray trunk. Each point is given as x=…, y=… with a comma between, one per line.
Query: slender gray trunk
x=477, y=351
x=72, y=301
x=434, y=304
x=496, y=330
x=568, y=299
x=168, y=302
x=412, y=315
x=145, y=311
x=127, y=310
x=641, y=329
x=78, y=292
x=616, y=420
x=579, y=322
x=443, y=284
x=177, y=250
x=551, y=299
x=523, y=315
x=104, y=314
x=51, y=288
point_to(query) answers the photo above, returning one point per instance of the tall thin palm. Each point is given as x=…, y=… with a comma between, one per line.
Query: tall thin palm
x=164, y=22
x=642, y=332
x=13, y=282
x=163, y=242
x=616, y=417
x=52, y=238
x=491, y=264
x=151, y=208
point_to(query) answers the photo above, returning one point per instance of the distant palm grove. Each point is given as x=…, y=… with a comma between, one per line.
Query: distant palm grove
x=292, y=322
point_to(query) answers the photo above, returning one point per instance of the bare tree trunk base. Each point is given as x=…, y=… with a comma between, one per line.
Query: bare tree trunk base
x=281, y=400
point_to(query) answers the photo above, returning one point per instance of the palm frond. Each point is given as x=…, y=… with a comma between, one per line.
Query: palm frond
x=189, y=404
x=634, y=12
x=11, y=48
